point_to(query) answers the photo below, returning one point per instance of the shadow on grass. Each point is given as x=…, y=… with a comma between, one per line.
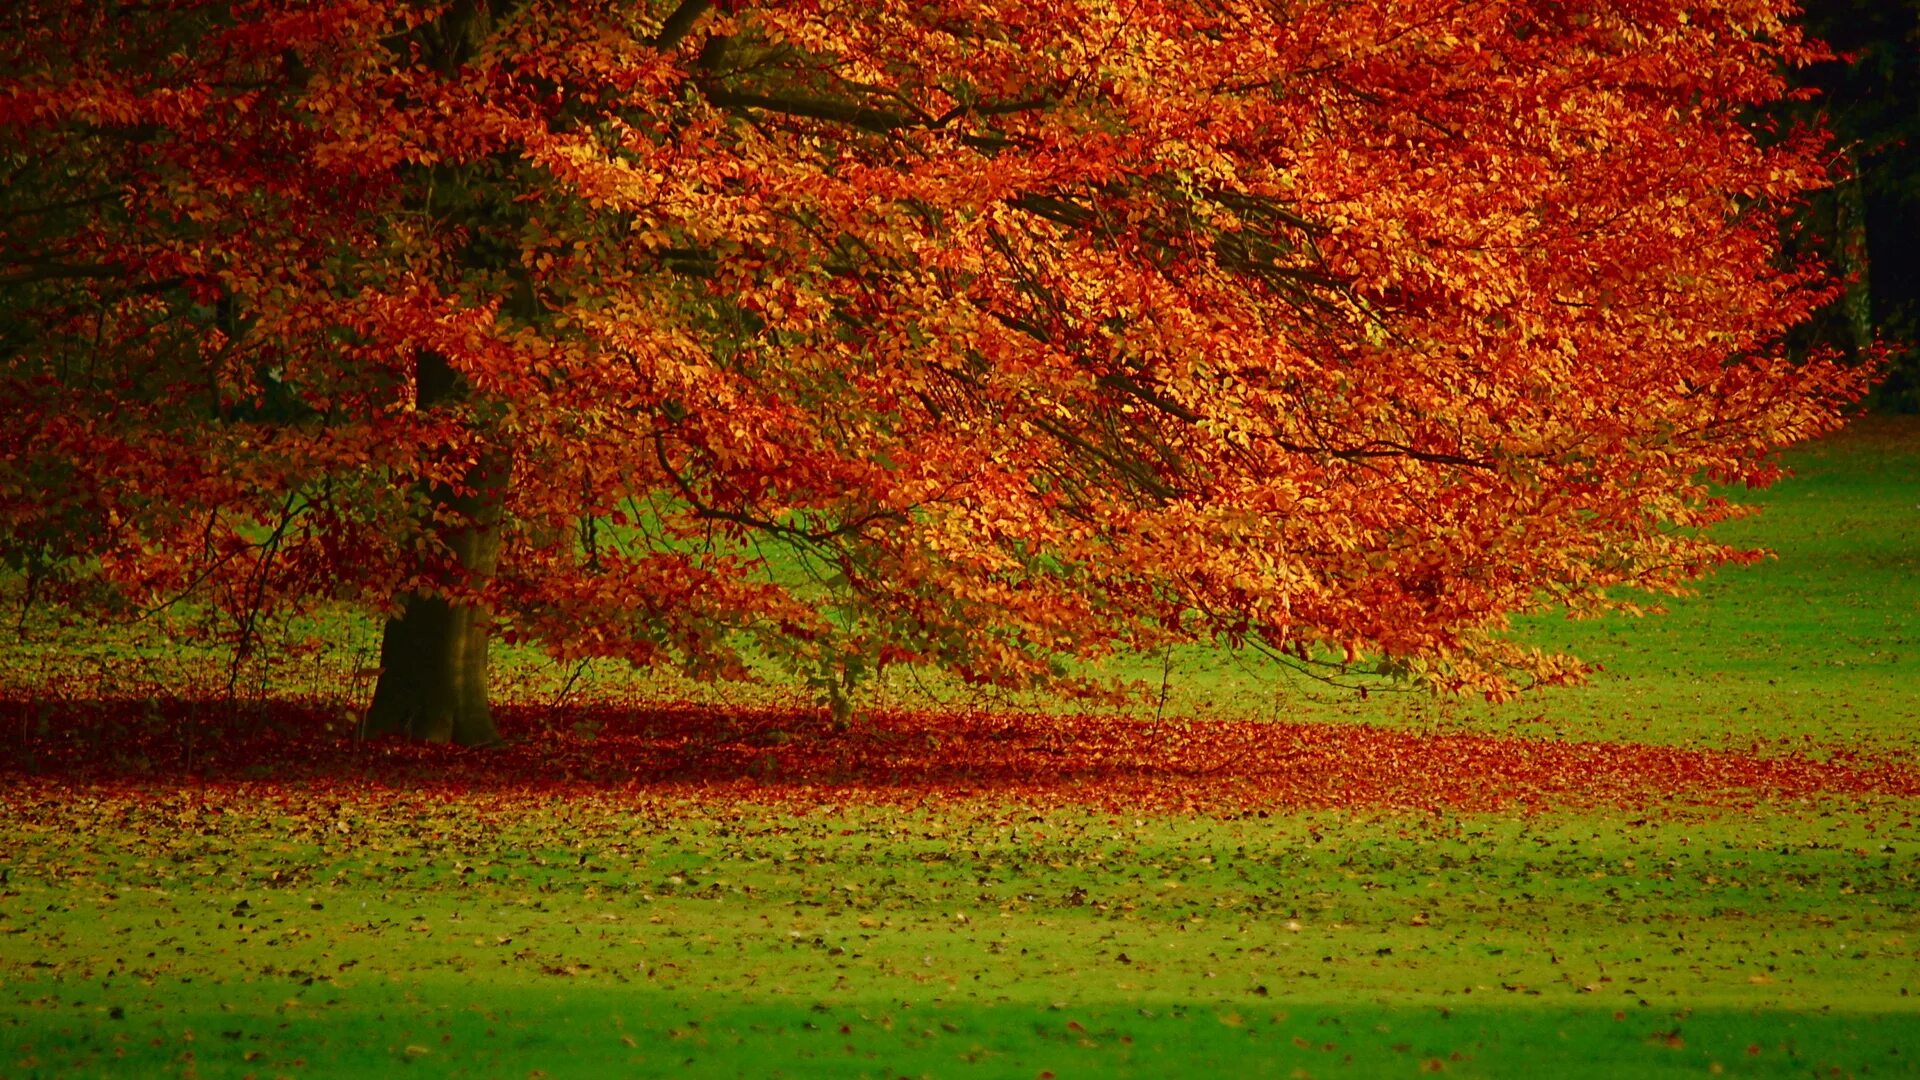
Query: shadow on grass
x=795, y=753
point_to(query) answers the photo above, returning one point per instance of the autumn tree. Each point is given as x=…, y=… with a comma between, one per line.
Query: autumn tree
x=980, y=334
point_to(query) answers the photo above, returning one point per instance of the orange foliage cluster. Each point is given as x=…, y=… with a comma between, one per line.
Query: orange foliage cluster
x=1015, y=330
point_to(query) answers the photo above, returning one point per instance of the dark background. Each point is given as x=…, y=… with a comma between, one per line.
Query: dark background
x=1871, y=100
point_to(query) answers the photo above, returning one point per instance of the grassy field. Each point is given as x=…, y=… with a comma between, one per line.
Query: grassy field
x=1702, y=863
x=205, y=930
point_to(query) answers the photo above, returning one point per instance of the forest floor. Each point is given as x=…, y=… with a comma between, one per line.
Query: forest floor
x=1703, y=862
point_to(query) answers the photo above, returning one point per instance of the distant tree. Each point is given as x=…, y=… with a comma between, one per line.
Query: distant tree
x=1869, y=94
x=983, y=334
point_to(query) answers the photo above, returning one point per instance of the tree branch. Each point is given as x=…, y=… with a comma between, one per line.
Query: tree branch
x=767, y=525
x=878, y=121
x=680, y=23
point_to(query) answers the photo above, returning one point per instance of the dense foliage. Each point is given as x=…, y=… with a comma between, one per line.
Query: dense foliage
x=981, y=334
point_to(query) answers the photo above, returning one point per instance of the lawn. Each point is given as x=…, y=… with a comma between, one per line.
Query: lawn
x=1701, y=863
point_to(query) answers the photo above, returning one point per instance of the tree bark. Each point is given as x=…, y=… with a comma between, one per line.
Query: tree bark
x=1850, y=226
x=433, y=655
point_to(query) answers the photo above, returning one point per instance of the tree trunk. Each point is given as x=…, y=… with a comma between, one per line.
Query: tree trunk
x=433, y=679
x=1850, y=251
x=433, y=655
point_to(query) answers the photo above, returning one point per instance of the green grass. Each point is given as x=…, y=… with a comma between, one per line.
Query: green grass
x=649, y=1033
x=174, y=928
x=956, y=942
x=1820, y=641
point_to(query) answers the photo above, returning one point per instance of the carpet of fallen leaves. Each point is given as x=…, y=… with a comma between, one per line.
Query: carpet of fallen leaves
x=774, y=756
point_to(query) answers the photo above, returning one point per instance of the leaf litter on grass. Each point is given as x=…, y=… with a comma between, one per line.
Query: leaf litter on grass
x=956, y=870
x=796, y=757
x=355, y=927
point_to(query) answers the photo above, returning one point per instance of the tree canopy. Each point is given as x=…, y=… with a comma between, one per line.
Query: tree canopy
x=982, y=334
